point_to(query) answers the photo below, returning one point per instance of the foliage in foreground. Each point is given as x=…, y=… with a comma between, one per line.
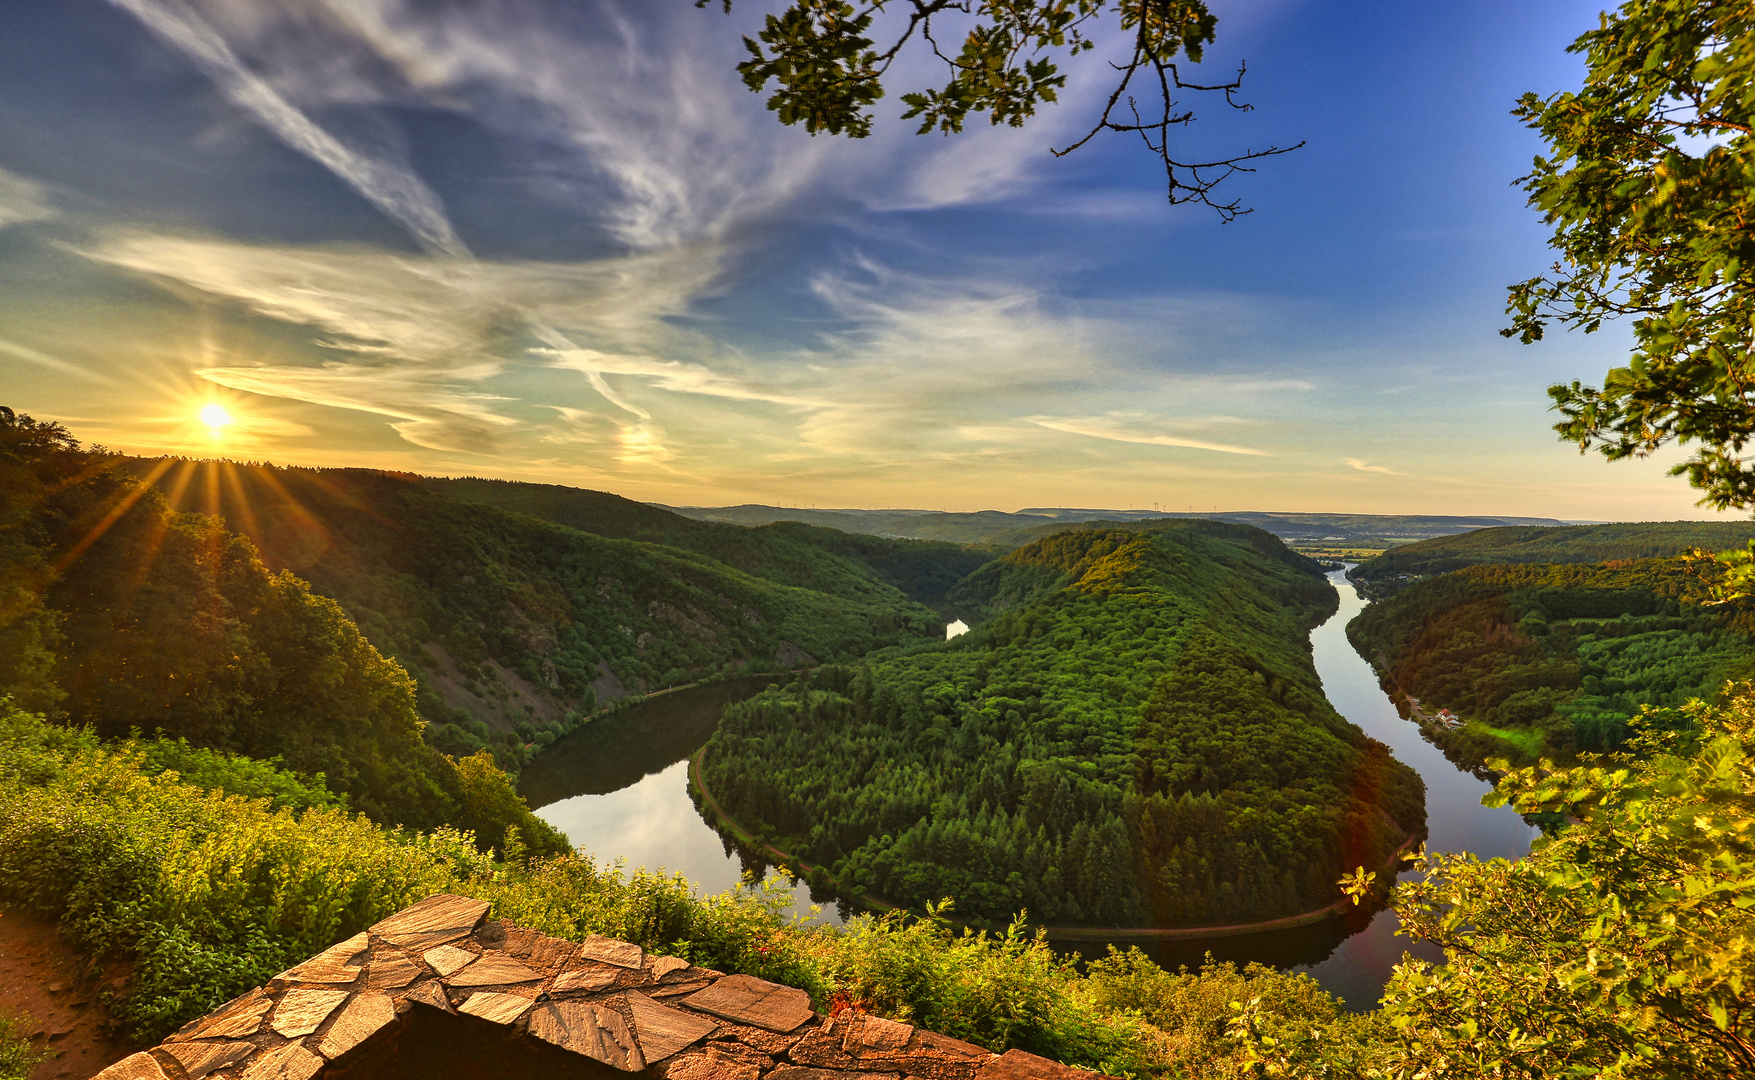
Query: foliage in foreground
x=1623, y=947
x=1646, y=182
x=1619, y=948
x=17, y=1056
x=213, y=893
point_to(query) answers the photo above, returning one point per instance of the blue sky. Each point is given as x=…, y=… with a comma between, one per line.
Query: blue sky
x=560, y=241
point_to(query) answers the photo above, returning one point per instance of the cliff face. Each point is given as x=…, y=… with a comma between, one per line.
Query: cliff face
x=435, y=990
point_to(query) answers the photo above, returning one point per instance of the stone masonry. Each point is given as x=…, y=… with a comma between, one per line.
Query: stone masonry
x=436, y=992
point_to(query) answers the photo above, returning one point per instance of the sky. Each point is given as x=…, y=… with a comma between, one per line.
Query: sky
x=560, y=241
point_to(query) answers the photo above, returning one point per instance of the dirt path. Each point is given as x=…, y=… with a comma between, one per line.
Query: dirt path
x=45, y=985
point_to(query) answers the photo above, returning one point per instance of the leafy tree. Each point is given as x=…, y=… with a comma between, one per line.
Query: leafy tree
x=1618, y=948
x=828, y=72
x=1649, y=182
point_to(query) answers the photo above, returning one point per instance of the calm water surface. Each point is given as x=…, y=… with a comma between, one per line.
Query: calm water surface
x=619, y=789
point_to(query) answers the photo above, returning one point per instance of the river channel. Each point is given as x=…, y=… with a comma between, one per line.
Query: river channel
x=619, y=789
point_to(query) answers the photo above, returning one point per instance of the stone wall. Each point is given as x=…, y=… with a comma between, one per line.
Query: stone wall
x=435, y=992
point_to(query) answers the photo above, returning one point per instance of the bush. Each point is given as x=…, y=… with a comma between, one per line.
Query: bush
x=17, y=1056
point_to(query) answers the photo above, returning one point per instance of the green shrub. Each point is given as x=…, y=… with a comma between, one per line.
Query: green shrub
x=17, y=1056
x=235, y=774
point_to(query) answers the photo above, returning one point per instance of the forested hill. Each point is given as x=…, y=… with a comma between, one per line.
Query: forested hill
x=1534, y=544
x=1553, y=659
x=788, y=552
x=119, y=614
x=510, y=622
x=1136, y=737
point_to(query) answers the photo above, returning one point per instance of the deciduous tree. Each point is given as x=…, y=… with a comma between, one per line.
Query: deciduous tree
x=1649, y=183
x=827, y=66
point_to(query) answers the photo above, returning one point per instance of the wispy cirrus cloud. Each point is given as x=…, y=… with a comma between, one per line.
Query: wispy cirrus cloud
x=1115, y=430
x=1365, y=466
x=388, y=185
x=51, y=363
x=22, y=200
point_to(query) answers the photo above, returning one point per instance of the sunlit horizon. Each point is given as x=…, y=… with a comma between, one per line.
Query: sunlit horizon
x=643, y=284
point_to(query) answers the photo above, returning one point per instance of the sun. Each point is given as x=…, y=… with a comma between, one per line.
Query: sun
x=215, y=416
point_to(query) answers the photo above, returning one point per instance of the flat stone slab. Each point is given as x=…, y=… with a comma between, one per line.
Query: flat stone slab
x=392, y=972
x=662, y=1030
x=746, y=999
x=679, y=988
x=591, y=979
x=1018, y=1065
x=240, y=1018
x=493, y=971
x=448, y=958
x=339, y=963
x=541, y=950
x=141, y=1066
x=710, y=1067
x=366, y=1015
x=289, y=1062
x=876, y=1033
x=499, y=1008
x=805, y=1072
x=301, y=1012
x=430, y=993
x=610, y=951
x=433, y=921
x=661, y=966
x=200, y=1058
x=596, y=1032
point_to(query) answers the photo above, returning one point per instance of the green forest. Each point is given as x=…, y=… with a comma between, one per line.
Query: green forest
x=100, y=574
x=1135, y=736
x=1553, y=660
x=515, y=625
x=1542, y=544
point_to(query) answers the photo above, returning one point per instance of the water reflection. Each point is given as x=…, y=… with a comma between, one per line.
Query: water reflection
x=619, y=789
x=1455, y=819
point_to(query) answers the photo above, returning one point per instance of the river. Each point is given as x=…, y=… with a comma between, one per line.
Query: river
x=619, y=788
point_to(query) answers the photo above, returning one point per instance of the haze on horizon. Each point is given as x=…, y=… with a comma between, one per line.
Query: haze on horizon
x=562, y=243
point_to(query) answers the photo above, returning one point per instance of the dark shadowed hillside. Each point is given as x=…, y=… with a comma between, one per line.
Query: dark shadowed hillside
x=787, y=552
x=510, y=622
x=126, y=616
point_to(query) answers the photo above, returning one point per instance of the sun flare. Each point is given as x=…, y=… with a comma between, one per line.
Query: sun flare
x=215, y=416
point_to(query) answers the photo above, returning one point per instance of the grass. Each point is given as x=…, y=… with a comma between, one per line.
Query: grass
x=1527, y=742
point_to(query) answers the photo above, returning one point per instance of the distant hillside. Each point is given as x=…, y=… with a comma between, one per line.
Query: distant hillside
x=1136, y=736
x=509, y=622
x=1016, y=529
x=829, y=560
x=1566, y=544
x=1550, y=659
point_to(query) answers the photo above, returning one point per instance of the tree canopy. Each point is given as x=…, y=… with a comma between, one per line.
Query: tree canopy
x=1649, y=184
x=827, y=70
